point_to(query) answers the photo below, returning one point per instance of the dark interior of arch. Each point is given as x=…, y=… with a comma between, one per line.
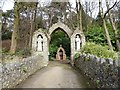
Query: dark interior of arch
x=59, y=37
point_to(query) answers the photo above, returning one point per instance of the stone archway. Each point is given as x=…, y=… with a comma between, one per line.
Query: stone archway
x=65, y=28
x=47, y=37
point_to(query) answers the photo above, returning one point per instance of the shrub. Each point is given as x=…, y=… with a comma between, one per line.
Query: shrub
x=77, y=55
x=98, y=50
x=3, y=50
x=95, y=34
x=51, y=58
x=53, y=50
x=24, y=53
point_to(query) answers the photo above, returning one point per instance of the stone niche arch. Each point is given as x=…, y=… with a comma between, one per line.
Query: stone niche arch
x=44, y=45
x=74, y=51
x=62, y=26
x=58, y=57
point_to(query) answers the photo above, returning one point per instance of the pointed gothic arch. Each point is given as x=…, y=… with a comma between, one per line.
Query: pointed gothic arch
x=62, y=26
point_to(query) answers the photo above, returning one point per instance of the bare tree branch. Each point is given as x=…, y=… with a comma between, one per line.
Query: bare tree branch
x=109, y=9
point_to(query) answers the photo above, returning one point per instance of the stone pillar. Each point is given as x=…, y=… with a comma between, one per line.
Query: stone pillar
x=73, y=51
x=0, y=51
x=43, y=51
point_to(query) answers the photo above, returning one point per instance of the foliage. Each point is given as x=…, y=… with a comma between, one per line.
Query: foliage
x=23, y=53
x=77, y=55
x=98, y=50
x=6, y=35
x=53, y=50
x=95, y=34
x=3, y=51
x=112, y=35
x=24, y=68
x=51, y=58
x=97, y=82
x=99, y=20
x=118, y=34
x=7, y=21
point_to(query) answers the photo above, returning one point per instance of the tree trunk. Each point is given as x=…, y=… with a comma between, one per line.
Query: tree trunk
x=105, y=27
x=77, y=10
x=80, y=24
x=113, y=27
x=16, y=28
x=34, y=11
x=0, y=33
x=31, y=29
x=107, y=35
x=70, y=20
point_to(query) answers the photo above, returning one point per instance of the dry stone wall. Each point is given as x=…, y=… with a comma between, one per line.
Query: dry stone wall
x=102, y=72
x=15, y=72
x=0, y=75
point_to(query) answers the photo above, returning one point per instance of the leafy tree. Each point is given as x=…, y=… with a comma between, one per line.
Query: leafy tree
x=95, y=34
x=113, y=26
x=99, y=19
x=107, y=36
x=16, y=27
x=7, y=24
x=22, y=33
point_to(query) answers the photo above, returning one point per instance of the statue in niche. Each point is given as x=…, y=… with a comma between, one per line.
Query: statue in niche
x=39, y=43
x=77, y=42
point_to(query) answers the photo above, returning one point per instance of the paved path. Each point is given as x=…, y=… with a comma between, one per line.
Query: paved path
x=55, y=75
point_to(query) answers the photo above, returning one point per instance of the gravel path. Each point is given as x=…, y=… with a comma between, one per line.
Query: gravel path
x=55, y=75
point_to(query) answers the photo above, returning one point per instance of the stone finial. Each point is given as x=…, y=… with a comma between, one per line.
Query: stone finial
x=60, y=45
x=59, y=20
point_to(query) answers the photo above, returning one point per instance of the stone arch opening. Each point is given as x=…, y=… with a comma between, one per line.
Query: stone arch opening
x=61, y=39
